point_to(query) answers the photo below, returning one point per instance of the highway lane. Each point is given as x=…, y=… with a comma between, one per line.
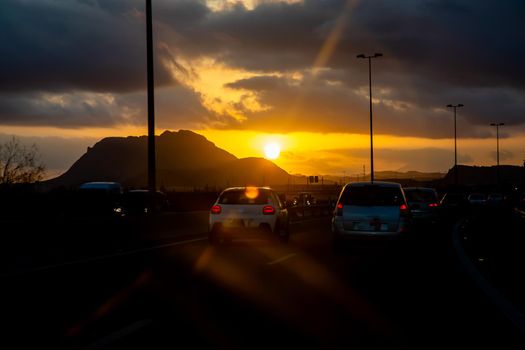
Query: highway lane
x=256, y=293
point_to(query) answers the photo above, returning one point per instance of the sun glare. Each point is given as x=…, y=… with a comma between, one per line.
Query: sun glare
x=272, y=150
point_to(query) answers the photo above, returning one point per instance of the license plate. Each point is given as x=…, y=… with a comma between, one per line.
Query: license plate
x=235, y=223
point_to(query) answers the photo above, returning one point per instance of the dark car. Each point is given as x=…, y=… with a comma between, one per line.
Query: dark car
x=423, y=203
x=97, y=200
x=138, y=202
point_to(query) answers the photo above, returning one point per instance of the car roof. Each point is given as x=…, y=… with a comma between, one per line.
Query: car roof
x=427, y=189
x=375, y=183
x=244, y=188
x=99, y=185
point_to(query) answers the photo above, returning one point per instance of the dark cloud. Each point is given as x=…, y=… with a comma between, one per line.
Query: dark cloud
x=435, y=53
x=321, y=104
x=79, y=45
x=178, y=107
x=66, y=110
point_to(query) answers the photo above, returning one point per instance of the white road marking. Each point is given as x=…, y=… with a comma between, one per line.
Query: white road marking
x=102, y=257
x=280, y=260
x=121, y=333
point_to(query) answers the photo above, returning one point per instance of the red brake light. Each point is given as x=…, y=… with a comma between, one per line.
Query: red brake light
x=268, y=210
x=339, y=209
x=216, y=209
x=433, y=205
x=403, y=207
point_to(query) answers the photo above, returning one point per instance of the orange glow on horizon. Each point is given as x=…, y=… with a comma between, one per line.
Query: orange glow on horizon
x=303, y=152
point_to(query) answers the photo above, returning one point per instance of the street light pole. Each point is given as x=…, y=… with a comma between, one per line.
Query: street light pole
x=497, y=125
x=371, y=125
x=151, y=103
x=455, y=143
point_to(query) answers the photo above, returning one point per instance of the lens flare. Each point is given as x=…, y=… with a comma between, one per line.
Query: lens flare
x=251, y=192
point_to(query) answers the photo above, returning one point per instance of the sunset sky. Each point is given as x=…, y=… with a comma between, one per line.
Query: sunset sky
x=248, y=73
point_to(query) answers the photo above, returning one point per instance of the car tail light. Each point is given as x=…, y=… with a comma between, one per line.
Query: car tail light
x=339, y=209
x=216, y=209
x=433, y=205
x=268, y=210
x=405, y=211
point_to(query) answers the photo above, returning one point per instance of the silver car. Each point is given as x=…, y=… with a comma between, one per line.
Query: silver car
x=371, y=210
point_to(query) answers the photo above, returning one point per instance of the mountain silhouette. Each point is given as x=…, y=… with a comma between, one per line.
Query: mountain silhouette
x=184, y=159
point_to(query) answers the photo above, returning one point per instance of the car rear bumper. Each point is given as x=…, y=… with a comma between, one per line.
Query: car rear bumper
x=368, y=235
x=263, y=229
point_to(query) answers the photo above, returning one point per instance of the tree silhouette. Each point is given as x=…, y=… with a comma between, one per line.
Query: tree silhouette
x=19, y=164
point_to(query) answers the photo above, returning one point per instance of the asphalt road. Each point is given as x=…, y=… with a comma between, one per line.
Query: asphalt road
x=179, y=291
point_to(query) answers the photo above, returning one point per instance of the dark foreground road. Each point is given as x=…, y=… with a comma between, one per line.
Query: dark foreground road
x=256, y=294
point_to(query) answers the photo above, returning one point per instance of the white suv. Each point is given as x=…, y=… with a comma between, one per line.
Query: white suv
x=370, y=210
x=241, y=212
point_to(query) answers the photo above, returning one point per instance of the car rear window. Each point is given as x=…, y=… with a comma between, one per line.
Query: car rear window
x=372, y=196
x=240, y=197
x=420, y=196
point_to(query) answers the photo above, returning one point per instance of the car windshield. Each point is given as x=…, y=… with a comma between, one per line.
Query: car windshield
x=372, y=196
x=244, y=197
x=420, y=196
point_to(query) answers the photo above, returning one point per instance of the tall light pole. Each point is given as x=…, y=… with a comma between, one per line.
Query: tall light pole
x=455, y=142
x=371, y=129
x=497, y=125
x=151, y=104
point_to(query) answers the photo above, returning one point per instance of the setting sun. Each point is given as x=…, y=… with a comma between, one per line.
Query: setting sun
x=272, y=150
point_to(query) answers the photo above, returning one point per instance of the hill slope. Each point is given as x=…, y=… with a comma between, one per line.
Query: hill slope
x=184, y=158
